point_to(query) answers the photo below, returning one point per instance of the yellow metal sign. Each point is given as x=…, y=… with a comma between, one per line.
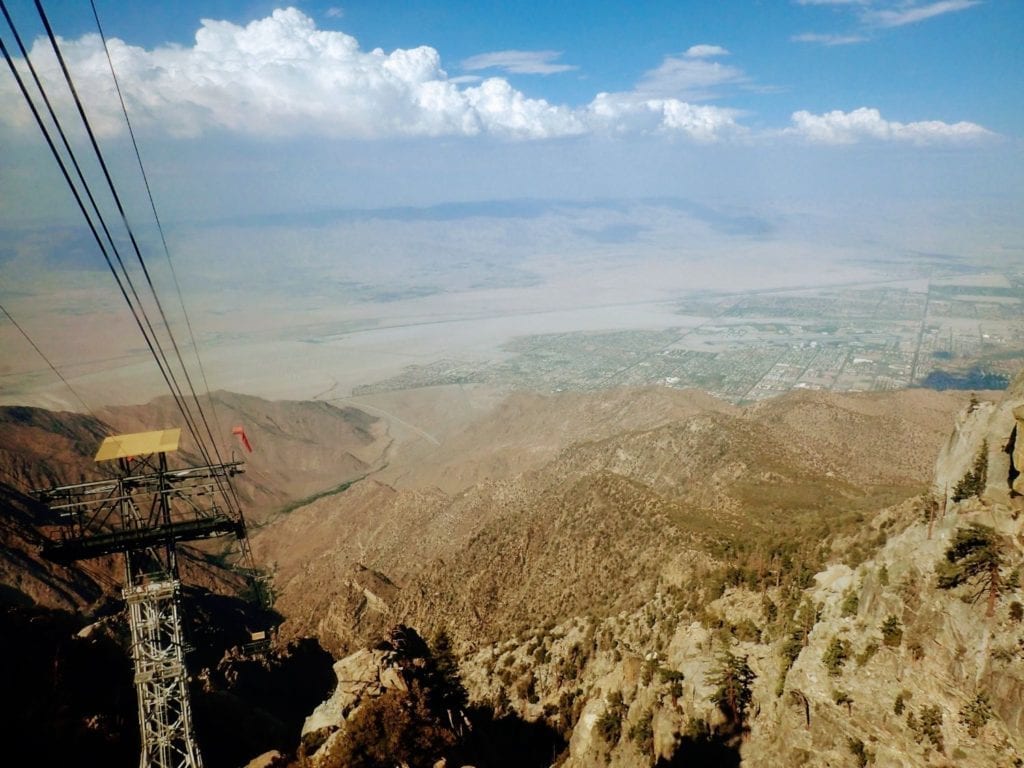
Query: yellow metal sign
x=138, y=444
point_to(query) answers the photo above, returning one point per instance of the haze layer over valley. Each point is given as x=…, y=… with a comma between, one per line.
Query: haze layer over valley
x=742, y=302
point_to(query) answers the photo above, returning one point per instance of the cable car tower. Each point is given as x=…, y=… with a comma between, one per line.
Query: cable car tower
x=143, y=513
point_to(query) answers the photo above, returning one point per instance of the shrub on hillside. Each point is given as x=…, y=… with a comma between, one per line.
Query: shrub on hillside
x=892, y=632
x=835, y=656
x=975, y=714
x=842, y=698
x=851, y=602
x=929, y=726
x=394, y=728
x=641, y=733
x=900, y=703
x=609, y=725
x=859, y=752
x=1016, y=611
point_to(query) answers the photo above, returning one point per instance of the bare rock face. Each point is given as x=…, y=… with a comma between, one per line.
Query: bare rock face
x=585, y=746
x=993, y=430
x=265, y=760
x=365, y=675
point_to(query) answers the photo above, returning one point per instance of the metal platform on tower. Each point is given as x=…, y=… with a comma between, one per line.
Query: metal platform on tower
x=143, y=513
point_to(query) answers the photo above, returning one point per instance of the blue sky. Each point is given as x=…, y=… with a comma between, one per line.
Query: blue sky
x=945, y=60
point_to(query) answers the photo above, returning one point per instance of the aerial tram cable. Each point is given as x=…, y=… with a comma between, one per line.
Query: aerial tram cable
x=138, y=312
x=169, y=376
x=170, y=264
x=114, y=524
x=124, y=218
x=174, y=274
x=152, y=338
x=156, y=217
x=47, y=360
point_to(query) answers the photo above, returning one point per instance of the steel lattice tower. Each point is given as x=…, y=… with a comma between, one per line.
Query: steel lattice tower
x=161, y=681
x=142, y=514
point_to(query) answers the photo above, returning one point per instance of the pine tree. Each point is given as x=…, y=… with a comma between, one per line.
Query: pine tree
x=445, y=679
x=733, y=680
x=975, y=558
x=973, y=482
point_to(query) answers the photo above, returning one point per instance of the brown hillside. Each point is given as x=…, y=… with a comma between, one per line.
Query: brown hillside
x=524, y=430
x=300, y=449
x=38, y=449
x=596, y=527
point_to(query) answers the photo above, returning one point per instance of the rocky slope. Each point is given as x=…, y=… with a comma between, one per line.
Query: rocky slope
x=593, y=529
x=864, y=661
x=603, y=591
x=38, y=449
x=505, y=435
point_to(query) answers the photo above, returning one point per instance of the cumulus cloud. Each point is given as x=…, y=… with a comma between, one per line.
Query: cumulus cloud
x=912, y=14
x=862, y=124
x=502, y=110
x=824, y=39
x=703, y=51
x=518, y=62
x=633, y=113
x=282, y=76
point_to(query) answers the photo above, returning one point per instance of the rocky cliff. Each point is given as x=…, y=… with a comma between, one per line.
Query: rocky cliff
x=870, y=662
x=759, y=588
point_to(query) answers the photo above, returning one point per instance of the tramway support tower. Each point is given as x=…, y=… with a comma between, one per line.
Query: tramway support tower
x=143, y=513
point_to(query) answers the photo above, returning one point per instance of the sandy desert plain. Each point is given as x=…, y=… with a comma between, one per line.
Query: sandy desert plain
x=544, y=296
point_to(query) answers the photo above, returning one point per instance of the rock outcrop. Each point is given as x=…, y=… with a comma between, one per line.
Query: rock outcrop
x=870, y=663
x=400, y=666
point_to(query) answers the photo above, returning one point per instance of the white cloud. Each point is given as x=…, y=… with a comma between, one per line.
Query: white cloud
x=703, y=51
x=334, y=12
x=633, y=113
x=688, y=78
x=837, y=127
x=502, y=110
x=911, y=14
x=282, y=76
x=823, y=39
x=518, y=62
